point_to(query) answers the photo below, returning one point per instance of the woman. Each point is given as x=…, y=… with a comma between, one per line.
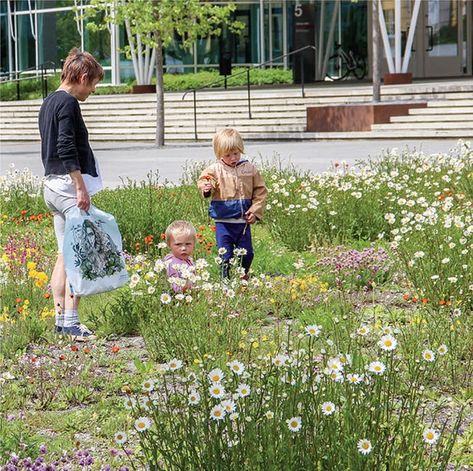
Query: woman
x=72, y=173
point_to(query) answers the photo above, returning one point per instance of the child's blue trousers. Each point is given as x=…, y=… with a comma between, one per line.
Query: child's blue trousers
x=232, y=236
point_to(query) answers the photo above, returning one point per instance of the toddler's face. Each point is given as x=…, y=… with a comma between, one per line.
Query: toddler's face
x=182, y=245
x=232, y=157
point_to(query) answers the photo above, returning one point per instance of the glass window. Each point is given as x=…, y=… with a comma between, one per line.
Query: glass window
x=26, y=43
x=442, y=20
x=4, y=59
x=98, y=42
x=208, y=51
x=176, y=56
x=57, y=35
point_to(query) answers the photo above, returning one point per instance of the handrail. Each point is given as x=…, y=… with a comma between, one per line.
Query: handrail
x=44, y=77
x=247, y=71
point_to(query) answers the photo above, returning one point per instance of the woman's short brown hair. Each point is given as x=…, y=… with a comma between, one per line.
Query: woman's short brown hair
x=79, y=63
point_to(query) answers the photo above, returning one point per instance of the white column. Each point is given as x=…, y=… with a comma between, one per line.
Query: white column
x=261, y=30
x=284, y=32
x=384, y=35
x=270, y=31
x=397, y=35
x=410, y=37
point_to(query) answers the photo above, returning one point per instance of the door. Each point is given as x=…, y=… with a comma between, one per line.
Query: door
x=441, y=38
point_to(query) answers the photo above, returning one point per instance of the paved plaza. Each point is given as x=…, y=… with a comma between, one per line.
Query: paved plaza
x=133, y=160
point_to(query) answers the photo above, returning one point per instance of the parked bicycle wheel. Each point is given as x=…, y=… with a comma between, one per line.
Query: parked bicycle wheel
x=337, y=67
x=360, y=70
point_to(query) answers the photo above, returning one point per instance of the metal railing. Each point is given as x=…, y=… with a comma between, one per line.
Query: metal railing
x=40, y=73
x=247, y=72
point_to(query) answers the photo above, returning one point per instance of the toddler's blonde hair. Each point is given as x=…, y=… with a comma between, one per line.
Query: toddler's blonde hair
x=180, y=227
x=226, y=140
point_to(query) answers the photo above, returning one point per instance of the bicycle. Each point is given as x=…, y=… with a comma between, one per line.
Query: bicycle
x=342, y=64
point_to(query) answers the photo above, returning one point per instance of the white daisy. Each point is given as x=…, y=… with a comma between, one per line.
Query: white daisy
x=431, y=436
x=294, y=424
x=147, y=385
x=376, y=367
x=354, y=378
x=236, y=366
x=313, y=330
x=217, y=413
x=229, y=406
x=328, y=408
x=217, y=391
x=193, y=398
x=269, y=415
x=174, y=364
x=334, y=364
x=142, y=424
x=243, y=390
x=216, y=375
x=363, y=330
x=120, y=438
x=129, y=403
x=280, y=360
x=387, y=343
x=146, y=403
x=364, y=446
x=442, y=349
x=428, y=355
x=165, y=298
x=222, y=251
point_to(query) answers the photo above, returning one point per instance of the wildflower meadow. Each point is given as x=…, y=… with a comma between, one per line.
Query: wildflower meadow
x=348, y=348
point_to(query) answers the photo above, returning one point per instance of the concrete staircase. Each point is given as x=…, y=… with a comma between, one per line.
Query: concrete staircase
x=278, y=113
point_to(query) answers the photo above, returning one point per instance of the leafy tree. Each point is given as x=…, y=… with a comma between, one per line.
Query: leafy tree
x=151, y=25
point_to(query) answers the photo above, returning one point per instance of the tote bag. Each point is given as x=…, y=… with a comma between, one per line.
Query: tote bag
x=92, y=251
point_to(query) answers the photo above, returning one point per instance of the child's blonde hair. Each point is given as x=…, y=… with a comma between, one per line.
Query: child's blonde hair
x=226, y=140
x=180, y=227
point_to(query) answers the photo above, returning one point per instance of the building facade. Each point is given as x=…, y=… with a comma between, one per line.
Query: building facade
x=36, y=32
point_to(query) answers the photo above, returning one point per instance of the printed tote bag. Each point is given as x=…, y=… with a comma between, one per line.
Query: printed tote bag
x=93, y=252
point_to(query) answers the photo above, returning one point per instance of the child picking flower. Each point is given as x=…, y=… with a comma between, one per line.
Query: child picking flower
x=238, y=197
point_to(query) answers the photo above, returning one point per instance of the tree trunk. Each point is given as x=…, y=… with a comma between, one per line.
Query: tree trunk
x=376, y=50
x=159, y=91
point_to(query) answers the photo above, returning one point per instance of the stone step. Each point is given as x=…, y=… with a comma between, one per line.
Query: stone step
x=437, y=111
x=463, y=125
x=431, y=118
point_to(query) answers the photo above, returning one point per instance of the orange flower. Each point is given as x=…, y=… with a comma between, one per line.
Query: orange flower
x=405, y=297
x=19, y=309
x=137, y=246
x=86, y=350
x=414, y=299
x=115, y=349
x=213, y=228
x=425, y=300
x=74, y=348
x=162, y=236
x=201, y=228
x=18, y=300
x=148, y=239
x=442, y=302
x=46, y=295
x=62, y=357
x=23, y=212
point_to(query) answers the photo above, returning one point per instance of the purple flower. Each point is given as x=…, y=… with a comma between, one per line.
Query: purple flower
x=43, y=449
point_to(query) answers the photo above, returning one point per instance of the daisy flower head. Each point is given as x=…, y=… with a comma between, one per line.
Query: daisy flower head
x=236, y=366
x=217, y=413
x=354, y=378
x=364, y=446
x=222, y=251
x=376, y=367
x=334, y=364
x=313, y=330
x=269, y=415
x=193, y=398
x=148, y=385
x=294, y=424
x=120, y=438
x=363, y=330
x=142, y=424
x=174, y=364
x=243, y=390
x=328, y=408
x=428, y=355
x=442, y=349
x=217, y=391
x=216, y=375
x=146, y=403
x=165, y=298
x=280, y=360
x=387, y=343
x=129, y=403
x=430, y=436
x=229, y=406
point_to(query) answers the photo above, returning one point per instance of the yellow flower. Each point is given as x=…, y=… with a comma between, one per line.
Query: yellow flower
x=31, y=266
x=255, y=344
x=241, y=345
x=197, y=361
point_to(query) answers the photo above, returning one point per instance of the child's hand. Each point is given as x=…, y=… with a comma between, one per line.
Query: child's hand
x=250, y=217
x=207, y=187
